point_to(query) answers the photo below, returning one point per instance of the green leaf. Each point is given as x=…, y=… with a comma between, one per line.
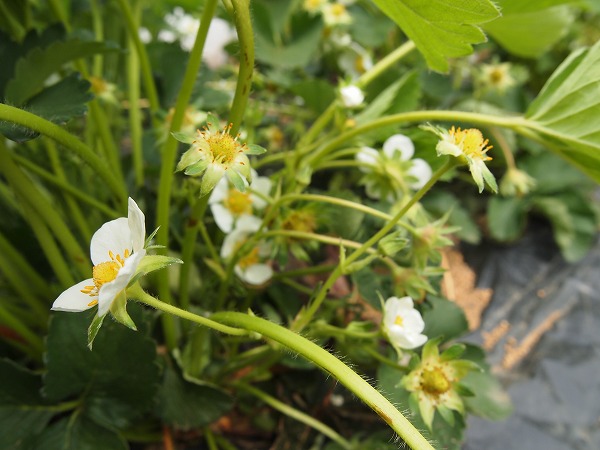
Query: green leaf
x=443, y=318
x=317, y=94
x=563, y=112
x=189, y=405
x=40, y=63
x=58, y=103
x=183, y=137
x=118, y=379
x=293, y=48
x=79, y=433
x=441, y=29
x=22, y=412
x=489, y=400
x=254, y=149
x=507, y=217
x=530, y=28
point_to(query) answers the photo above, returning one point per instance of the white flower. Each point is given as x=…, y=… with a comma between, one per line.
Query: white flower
x=352, y=96
x=394, y=169
x=403, y=323
x=469, y=146
x=335, y=14
x=354, y=59
x=145, y=35
x=116, y=251
x=250, y=267
x=228, y=204
x=220, y=33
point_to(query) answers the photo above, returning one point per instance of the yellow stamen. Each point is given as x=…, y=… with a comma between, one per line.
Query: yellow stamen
x=471, y=142
x=398, y=320
x=105, y=272
x=93, y=302
x=250, y=259
x=238, y=202
x=433, y=381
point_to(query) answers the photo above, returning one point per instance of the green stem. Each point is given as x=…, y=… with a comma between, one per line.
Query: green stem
x=310, y=270
x=16, y=29
x=188, y=247
x=339, y=202
x=27, y=190
x=243, y=25
x=168, y=158
x=137, y=293
x=331, y=240
x=102, y=127
x=74, y=209
x=306, y=315
x=416, y=116
x=383, y=65
x=149, y=85
x=47, y=128
x=135, y=117
x=98, y=35
x=65, y=186
x=296, y=414
x=20, y=264
x=329, y=363
x=32, y=339
x=210, y=439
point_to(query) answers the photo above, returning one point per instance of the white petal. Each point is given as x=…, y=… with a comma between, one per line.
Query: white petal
x=137, y=225
x=109, y=291
x=401, y=144
x=113, y=236
x=421, y=170
x=232, y=241
x=73, y=300
x=409, y=341
x=256, y=274
x=405, y=302
x=166, y=36
x=248, y=223
x=261, y=185
x=222, y=216
x=352, y=96
x=220, y=192
x=369, y=156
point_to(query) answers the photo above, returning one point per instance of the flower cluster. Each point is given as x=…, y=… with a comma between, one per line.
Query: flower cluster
x=214, y=154
x=392, y=173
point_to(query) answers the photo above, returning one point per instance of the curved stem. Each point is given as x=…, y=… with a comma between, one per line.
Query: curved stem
x=295, y=414
x=326, y=361
x=137, y=293
x=331, y=240
x=306, y=315
x=384, y=64
x=417, y=116
x=47, y=128
x=243, y=25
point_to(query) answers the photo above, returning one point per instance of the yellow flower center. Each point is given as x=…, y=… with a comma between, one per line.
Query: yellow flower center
x=433, y=381
x=98, y=85
x=338, y=10
x=238, y=202
x=223, y=146
x=398, y=320
x=359, y=64
x=250, y=259
x=105, y=272
x=471, y=143
x=301, y=220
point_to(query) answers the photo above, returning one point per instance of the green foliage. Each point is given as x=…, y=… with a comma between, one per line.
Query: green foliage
x=79, y=433
x=443, y=318
x=514, y=30
x=560, y=112
x=441, y=29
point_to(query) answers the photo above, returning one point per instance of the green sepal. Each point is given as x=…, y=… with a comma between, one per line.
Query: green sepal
x=212, y=123
x=94, y=328
x=151, y=263
x=253, y=149
x=191, y=157
x=183, y=137
x=447, y=414
x=463, y=390
x=358, y=265
x=149, y=238
x=452, y=352
x=196, y=168
x=237, y=180
x=118, y=309
x=216, y=268
x=392, y=243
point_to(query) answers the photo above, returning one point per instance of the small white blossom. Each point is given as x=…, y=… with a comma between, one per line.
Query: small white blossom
x=352, y=96
x=116, y=251
x=228, y=204
x=403, y=324
x=251, y=268
x=220, y=33
x=335, y=14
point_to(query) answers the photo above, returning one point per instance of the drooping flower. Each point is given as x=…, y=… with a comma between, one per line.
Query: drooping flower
x=252, y=267
x=393, y=172
x=516, y=183
x=403, y=324
x=352, y=96
x=229, y=204
x=116, y=251
x=470, y=146
x=434, y=382
x=214, y=154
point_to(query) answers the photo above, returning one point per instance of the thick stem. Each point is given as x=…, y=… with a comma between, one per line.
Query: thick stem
x=329, y=363
x=243, y=25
